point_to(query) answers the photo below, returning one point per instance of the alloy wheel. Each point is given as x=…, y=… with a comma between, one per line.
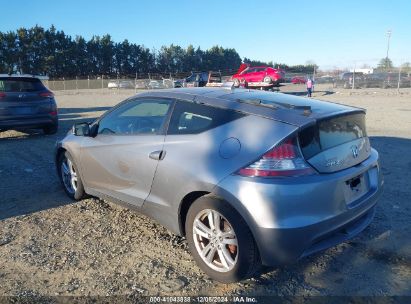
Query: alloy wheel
x=69, y=175
x=215, y=240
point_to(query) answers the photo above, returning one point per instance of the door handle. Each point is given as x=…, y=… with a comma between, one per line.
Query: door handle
x=157, y=155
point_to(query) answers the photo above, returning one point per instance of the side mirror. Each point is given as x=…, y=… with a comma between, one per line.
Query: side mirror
x=81, y=129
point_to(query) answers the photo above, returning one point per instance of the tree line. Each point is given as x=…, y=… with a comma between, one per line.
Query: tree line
x=51, y=52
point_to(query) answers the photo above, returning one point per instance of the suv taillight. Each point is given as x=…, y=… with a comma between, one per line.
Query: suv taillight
x=46, y=94
x=284, y=159
x=2, y=95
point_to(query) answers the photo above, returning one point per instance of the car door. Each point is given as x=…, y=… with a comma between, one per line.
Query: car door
x=248, y=74
x=121, y=160
x=259, y=75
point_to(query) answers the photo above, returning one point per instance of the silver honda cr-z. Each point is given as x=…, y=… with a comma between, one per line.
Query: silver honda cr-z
x=249, y=177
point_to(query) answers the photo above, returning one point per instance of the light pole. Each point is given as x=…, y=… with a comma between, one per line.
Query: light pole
x=388, y=46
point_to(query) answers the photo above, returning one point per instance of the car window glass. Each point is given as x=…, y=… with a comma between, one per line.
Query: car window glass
x=136, y=117
x=192, y=118
x=21, y=85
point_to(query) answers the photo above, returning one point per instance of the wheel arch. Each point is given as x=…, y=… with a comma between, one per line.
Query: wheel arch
x=185, y=204
x=59, y=151
x=191, y=197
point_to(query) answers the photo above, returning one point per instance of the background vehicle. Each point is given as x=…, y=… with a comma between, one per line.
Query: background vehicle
x=258, y=76
x=196, y=79
x=345, y=80
x=155, y=84
x=185, y=158
x=113, y=85
x=324, y=79
x=385, y=80
x=26, y=103
x=123, y=84
x=298, y=80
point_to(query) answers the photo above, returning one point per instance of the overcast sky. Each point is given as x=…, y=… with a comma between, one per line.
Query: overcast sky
x=330, y=33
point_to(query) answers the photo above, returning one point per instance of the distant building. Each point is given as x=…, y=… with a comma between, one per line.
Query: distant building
x=364, y=71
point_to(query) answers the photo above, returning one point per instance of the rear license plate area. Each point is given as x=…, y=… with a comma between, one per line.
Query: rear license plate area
x=355, y=188
x=22, y=111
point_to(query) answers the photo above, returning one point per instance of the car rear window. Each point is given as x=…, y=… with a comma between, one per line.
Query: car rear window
x=331, y=132
x=10, y=84
x=192, y=118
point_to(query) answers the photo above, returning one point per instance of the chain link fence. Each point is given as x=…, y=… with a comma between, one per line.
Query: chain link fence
x=348, y=78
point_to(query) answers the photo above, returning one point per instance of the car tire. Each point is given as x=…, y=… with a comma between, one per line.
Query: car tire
x=267, y=79
x=231, y=247
x=236, y=82
x=49, y=130
x=72, y=185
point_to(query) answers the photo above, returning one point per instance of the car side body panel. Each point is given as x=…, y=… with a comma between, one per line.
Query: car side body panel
x=291, y=218
x=120, y=166
x=199, y=162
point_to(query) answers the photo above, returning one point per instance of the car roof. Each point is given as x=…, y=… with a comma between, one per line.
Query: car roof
x=287, y=108
x=24, y=76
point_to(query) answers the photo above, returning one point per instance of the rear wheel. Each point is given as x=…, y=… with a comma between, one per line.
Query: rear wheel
x=267, y=79
x=220, y=241
x=70, y=177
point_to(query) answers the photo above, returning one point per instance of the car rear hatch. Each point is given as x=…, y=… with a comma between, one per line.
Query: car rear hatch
x=336, y=142
x=24, y=97
x=331, y=136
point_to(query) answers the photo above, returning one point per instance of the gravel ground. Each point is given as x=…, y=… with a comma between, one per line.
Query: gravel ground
x=50, y=245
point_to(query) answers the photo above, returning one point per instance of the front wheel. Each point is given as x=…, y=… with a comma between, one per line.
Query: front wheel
x=236, y=82
x=220, y=241
x=70, y=177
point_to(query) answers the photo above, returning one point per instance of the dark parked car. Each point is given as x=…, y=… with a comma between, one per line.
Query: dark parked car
x=197, y=79
x=385, y=80
x=324, y=79
x=248, y=177
x=26, y=103
x=346, y=80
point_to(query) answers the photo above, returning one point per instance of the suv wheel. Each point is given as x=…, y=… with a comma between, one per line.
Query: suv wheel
x=70, y=177
x=220, y=241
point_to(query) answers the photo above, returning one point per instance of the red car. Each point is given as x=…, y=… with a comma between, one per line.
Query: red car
x=260, y=76
x=298, y=80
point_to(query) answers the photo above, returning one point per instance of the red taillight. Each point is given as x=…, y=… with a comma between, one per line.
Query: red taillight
x=53, y=113
x=285, y=150
x=283, y=160
x=2, y=95
x=46, y=94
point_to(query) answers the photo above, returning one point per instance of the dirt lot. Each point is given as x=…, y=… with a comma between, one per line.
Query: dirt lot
x=50, y=245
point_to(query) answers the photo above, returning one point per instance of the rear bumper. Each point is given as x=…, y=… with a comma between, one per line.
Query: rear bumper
x=28, y=122
x=295, y=217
